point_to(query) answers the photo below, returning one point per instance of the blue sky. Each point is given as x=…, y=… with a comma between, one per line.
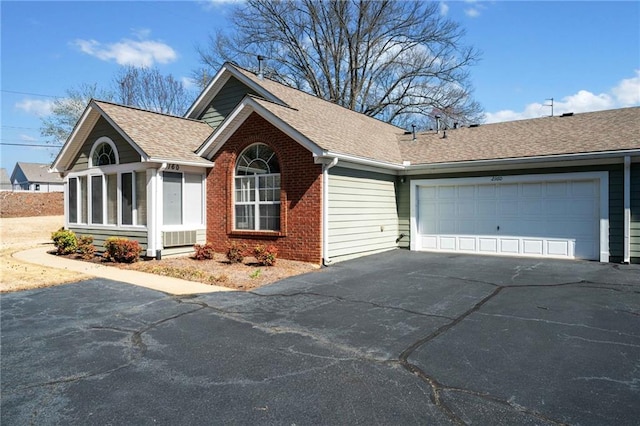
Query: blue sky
x=585, y=55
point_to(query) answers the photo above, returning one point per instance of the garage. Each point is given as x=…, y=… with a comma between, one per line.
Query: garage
x=553, y=215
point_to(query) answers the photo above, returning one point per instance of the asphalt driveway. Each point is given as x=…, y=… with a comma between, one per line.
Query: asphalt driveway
x=395, y=338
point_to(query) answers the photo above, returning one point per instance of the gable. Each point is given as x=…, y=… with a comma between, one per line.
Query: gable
x=229, y=96
x=126, y=152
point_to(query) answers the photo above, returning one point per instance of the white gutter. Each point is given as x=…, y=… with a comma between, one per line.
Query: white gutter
x=325, y=209
x=360, y=160
x=520, y=160
x=627, y=209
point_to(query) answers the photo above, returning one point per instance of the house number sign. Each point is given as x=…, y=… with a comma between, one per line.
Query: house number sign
x=496, y=178
x=173, y=167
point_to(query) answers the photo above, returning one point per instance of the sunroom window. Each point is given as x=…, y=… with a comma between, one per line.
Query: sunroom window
x=257, y=189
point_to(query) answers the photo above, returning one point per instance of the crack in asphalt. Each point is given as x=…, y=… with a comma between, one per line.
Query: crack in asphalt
x=438, y=388
x=138, y=345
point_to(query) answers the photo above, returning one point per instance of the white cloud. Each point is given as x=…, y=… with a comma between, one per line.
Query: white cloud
x=139, y=53
x=626, y=93
x=472, y=12
x=444, y=8
x=27, y=138
x=35, y=106
x=189, y=83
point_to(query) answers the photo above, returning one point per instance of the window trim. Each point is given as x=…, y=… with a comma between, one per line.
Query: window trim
x=96, y=144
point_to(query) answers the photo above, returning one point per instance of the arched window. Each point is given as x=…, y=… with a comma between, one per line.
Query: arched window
x=103, y=153
x=257, y=189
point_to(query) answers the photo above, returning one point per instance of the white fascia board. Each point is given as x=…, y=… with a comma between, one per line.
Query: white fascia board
x=510, y=163
x=218, y=83
x=239, y=115
x=208, y=93
x=207, y=165
x=140, y=151
x=360, y=161
x=71, y=145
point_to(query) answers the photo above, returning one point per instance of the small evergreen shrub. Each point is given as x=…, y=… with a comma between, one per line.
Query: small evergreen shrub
x=122, y=250
x=236, y=252
x=66, y=241
x=266, y=255
x=203, y=252
x=86, y=249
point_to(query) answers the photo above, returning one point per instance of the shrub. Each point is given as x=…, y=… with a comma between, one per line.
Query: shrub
x=236, y=252
x=203, y=252
x=122, y=250
x=65, y=241
x=86, y=249
x=266, y=255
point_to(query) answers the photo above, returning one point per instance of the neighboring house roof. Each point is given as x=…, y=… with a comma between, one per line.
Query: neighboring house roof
x=34, y=173
x=592, y=132
x=332, y=128
x=5, y=182
x=157, y=137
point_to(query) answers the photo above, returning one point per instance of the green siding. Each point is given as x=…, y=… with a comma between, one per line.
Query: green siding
x=616, y=210
x=362, y=213
x=635, y=213
x=126, y=153
x=225, y=101
x=100, y=235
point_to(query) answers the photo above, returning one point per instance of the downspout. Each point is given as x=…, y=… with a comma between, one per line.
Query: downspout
x=325, y=210
x=627, y=209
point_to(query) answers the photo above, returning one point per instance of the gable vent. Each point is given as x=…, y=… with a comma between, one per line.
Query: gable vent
x=178, y=238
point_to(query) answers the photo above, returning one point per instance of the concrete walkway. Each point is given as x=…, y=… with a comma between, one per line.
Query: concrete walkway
x=175, y=286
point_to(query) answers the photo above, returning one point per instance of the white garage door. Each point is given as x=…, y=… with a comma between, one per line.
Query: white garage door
x=533, y=215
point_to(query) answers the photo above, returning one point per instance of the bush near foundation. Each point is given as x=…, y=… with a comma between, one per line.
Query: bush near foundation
x=204, y=252
x=236, y=252
x=266, y=255
x=65, y=241
x=122, y=250
x=86, y=249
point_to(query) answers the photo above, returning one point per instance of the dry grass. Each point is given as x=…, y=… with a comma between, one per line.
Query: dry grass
x=22, y=233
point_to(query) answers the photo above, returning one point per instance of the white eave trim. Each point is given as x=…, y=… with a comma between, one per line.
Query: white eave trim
x=69, y=142
x=239, y=115
x=358, y=160
x=492, y=164
x=217, y=83
x=207, y=165
x=143, y=155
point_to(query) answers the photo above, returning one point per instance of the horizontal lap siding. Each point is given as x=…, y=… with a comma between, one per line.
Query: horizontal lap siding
x=126, y=153
x=635, y=213
x=225, y=101
x=362, y=213
x=100, y=235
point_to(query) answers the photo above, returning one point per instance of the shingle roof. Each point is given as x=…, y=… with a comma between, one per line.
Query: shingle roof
x=5, y=182
x=160, y=136
x=37, y=172
x=602, y=131
x=331, y=126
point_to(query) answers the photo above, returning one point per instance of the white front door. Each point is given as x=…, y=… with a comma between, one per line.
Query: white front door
x=533, y=215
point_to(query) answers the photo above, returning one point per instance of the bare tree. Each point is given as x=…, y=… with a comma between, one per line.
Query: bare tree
x=149, y=89
x=394, y=60
x=67, y=110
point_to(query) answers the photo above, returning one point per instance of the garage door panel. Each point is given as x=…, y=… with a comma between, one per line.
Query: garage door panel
x=557, y=218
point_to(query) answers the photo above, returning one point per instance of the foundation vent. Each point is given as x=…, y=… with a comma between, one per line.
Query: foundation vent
x=178, y=238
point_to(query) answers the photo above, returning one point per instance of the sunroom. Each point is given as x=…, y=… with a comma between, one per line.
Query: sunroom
x=132, y=173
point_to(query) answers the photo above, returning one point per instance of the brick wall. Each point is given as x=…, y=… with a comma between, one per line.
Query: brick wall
x=30, y=204
x=300, y=236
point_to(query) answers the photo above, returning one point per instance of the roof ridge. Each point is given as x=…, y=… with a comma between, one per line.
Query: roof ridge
x=135, y=108
x=313, y=96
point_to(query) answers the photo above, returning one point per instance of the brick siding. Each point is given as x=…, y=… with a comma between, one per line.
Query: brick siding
x=300, y=236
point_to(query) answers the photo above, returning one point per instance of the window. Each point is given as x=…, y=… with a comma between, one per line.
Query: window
x=103, y=153
x=257, y=189
x=97, y=198
x=182, y=198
